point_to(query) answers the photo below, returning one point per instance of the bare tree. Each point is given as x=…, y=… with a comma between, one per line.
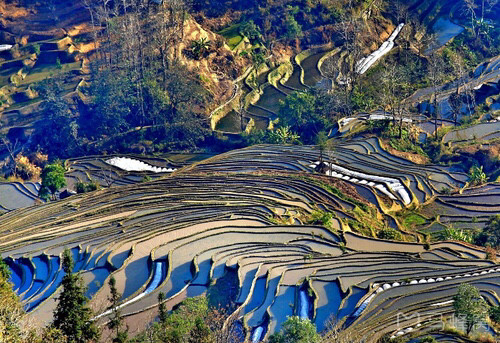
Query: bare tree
x=435, y=67
x=469, y=8
x=107, y=174
x=335, y=333
x=12, y=149
x=459, y=72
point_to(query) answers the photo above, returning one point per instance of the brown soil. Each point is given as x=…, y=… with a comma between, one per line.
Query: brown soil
x=413, y=157
x=484, y=155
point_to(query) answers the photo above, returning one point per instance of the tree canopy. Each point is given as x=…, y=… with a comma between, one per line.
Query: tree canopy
x=469, y=306
x=72, y=315
x=304, y=113
x=296, y=330
x=52, y=179
x=491, y=233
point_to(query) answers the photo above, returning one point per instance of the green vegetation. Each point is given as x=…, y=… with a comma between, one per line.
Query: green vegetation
x=477, y=176
x=84, y=187
x=469, y=305
x=389, y=233
x=400, y=137
x=115, y=323
x=72, y=316
x=428, y=339
x=457, y=235
x=321, y=218
x=36, y=48
x=251, y=31
x=308, y=114
x=490, y=235
x=52, y=180
x=140, y=92
x=494, y=313
x=199, y=47
x=10, y=309
x=412, y=220
x=57, y=134
x=232, y=35
x=283, y=135
x=296, y=330
x=192, y=321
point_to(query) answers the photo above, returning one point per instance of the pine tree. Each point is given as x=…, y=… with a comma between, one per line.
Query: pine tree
x=72, y=316
x=161, y=308
x=115, y=322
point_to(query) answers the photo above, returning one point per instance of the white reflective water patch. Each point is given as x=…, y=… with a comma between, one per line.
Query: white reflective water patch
x=257, y=334
x=382, y=182
x=443, y=303
x=130, y=164
x=366, y=62
x=304, y=305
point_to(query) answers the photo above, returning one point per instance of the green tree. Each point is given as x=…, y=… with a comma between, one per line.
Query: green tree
x=35, y=48
x=179, y=324
x=161, y=308
x=57, y=133
x=52, y=180
x=296, y=330
x=116, y=322
x=469, y=305
x=10, y=308
x=494, y=313
x=72, y=315
x=293, y=28
x=250, y=30
x=491, y=233
x=322, y=142
x=114, y=101
x=304, y=114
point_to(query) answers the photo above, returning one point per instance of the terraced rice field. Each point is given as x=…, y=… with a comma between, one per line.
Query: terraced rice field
x=483, y=84
x=97, y=169
x=468, y=210
x=244, y=216
x=483, y=131
x=16, y=195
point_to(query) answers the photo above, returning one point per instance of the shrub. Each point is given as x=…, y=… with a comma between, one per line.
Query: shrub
x=388, y=233
x=84, y=187
x=494, y=313
x=491, y=254
x=491, y=233
x=477, y=176
x=457, y=235
x=36, y=48
x=321, y=218
x=27, y=169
